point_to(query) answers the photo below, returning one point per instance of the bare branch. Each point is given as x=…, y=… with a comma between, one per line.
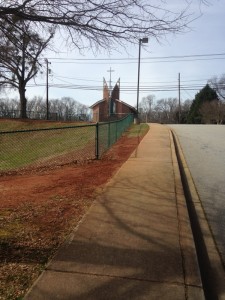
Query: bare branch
x=99, y=22
x=20, y=52
x=218, y=84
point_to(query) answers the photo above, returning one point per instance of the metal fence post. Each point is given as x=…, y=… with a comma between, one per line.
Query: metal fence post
x=97, y=141
x=116, y=130
x=109, y=136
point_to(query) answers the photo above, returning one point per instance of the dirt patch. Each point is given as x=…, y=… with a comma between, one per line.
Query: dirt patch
x=40, y=206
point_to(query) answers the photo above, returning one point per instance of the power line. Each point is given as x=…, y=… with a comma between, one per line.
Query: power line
x=187, y=93
x=124, y=88
x=145, y=62
x=132, y=82
x=75, y=78
x=144, y=58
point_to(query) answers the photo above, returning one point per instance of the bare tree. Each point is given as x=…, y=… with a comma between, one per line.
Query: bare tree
x=65, y=108
x=185, y=108
x=218, y=84
x=146, y=106
x=9, y=107
x=173, y=108
x=165, y=110
x=96, y=23
x=20, y=52
x=213, y=112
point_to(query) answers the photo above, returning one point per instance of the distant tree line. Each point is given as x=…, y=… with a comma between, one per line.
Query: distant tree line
x=165, y=110
x=208, y=106
x=66, y=109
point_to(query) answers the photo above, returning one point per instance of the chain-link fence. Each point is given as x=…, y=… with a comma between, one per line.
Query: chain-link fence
x=108, y=133
x=58, y=146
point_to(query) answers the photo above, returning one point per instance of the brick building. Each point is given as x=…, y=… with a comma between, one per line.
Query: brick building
x=111, y=108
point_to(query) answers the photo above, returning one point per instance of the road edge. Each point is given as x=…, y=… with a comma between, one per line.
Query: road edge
x=191, y=270
x=211, y=266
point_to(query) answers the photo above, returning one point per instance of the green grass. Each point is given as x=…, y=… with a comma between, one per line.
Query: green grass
x=12, y=125
x=138, y=130
x=19, y=149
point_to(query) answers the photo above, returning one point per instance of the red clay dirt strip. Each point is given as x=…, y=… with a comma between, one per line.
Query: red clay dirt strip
x=39, y=208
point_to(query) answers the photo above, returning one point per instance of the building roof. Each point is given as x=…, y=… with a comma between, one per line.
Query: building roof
x=124, y=103
x=96, y=103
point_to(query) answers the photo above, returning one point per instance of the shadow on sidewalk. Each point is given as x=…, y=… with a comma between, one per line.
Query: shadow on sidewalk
x=117, y=255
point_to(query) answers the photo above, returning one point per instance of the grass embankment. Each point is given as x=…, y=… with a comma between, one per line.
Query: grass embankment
x=19, y=149
x=38, y=210
x=27, y=124
x=138, y=130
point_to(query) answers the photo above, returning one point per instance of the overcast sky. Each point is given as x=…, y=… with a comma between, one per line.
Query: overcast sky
x=81, y=78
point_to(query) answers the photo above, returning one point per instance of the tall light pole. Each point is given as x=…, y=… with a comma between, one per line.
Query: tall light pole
x=179, y=111
x=141, y=41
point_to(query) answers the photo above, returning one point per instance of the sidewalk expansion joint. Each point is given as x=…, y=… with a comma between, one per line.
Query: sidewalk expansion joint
x=138, y=159
x=124, y=278
x=133, y=188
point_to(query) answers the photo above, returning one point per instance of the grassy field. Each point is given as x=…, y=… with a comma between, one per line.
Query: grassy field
x=55, y=146
x=138, y=130
x=19, y=149
x=11, y=124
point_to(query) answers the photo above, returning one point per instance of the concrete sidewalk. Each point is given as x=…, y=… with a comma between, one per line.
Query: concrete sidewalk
x=135, y=242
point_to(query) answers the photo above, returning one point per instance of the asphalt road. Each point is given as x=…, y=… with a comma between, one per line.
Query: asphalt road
x=204, y=150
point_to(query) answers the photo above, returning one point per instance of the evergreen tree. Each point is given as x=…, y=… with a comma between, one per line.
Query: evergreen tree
x=207, y=94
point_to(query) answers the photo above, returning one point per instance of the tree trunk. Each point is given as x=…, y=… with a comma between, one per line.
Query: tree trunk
x=23, y=102
x=22, y=84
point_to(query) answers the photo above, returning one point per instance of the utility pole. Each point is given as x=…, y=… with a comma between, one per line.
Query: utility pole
x=179, y=112
x=47, y=87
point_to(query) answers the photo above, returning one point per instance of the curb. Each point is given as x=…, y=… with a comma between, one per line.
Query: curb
x=191, y=269
x=210, y=263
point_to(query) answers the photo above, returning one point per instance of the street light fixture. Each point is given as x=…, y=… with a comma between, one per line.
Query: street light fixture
x=141, y=41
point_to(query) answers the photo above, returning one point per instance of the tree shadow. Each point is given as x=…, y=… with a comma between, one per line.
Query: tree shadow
x=121, y=250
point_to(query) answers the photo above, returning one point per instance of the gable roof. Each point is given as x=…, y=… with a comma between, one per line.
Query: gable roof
x=96, y=103
x=117, y=100
x=126, y=104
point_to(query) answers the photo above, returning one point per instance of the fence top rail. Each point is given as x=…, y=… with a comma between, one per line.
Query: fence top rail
x=116, y=121
x=47, y=129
